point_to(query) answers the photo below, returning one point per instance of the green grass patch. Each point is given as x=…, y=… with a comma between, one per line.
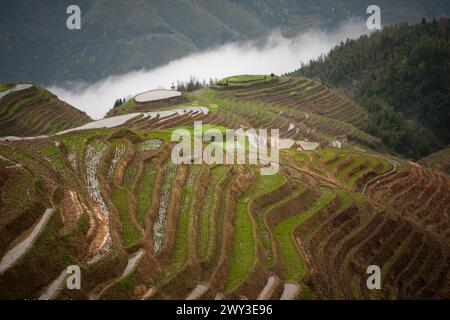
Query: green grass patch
x=292, y=260
x=55, y=127
x=306, y=292
x=180, y=254
x=75, y=143
x=243, y=79
x=244, y=256
x=83, y=224
x=149, y=145
x=130, y=233
x=130, y=175
x=144, y=195
x=16, y=154
x=264, y=230
x=130, y=104
x=18, y=192
x=342, y=174
x=79, y=139
x=127, y=284
x=438, y=158
x=52, y=153
x=217, y=174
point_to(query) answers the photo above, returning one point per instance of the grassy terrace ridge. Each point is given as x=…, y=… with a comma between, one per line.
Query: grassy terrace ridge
x=36, y=111
x=349, y=165
x=243, y=79
x=75, y=144
x=118, y=149
x=218, y=173
x=130, y=175
x=180, y=254
x=244, y=253
x=128, y=107
x=130, y=233
x=292, y=260
x=329, y=114
x=282, y=85
x=3, y=87
x=438, y=160
x=18, y=194
x=264, y=229
x=314, y=225
x=53, y=154
x=144, y=192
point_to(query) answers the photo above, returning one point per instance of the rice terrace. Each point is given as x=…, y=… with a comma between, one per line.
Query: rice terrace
x=225, y=153
x=106, y=196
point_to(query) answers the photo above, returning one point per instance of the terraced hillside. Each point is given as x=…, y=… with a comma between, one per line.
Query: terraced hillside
x=309, y=109
x=439, y=160
x=111, y=201
x=29, y=110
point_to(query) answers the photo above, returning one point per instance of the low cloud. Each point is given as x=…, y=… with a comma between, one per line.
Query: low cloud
x=276, y=54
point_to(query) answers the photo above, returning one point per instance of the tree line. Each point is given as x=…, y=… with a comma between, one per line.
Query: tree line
x=401, y=75
x=183, y=86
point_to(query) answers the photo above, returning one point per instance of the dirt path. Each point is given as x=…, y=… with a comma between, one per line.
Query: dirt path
x=117, y=121
x=199, y=290
x=268, y=290
x=131, y=265
x=19, y=87
x=291, y=291
x=54, y=287
x=19, y=250
x=150, y=293
x=219, y=296
x=104, y=123
x=394, y=164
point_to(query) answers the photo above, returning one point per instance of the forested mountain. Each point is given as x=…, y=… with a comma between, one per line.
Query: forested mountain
x=402, y=76
x=120, y=36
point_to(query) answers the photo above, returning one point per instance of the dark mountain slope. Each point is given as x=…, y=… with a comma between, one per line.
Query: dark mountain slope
x=121, y=36
x=402, y=76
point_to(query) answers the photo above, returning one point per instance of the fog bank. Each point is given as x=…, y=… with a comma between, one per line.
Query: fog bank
x=276, y=55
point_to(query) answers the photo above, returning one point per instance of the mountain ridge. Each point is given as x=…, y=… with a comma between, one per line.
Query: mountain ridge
x=117, y=38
